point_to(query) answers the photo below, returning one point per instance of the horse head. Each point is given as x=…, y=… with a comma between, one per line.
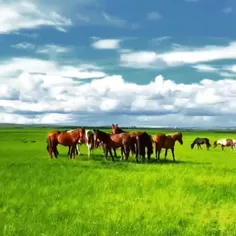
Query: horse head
x=178, y=137
x=192, y=145
x=215, y=144
x=115, y=129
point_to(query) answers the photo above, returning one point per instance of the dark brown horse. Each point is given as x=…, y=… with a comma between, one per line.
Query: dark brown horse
x=111, y=141
x=65, y=139
x=144, y=141
x=167, y=142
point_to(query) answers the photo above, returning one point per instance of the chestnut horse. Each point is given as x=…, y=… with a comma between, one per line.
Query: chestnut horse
x=224, y=143
x=111, y=141
x=88, y=140
x=166, y=142
x=52, y=143
x=65, y=139
x=117, y=130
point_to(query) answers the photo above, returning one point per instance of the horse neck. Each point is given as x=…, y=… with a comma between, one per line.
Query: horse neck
x=105, y=136
x=175, y=137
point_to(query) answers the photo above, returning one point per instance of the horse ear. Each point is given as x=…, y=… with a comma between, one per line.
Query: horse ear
x=113, y=125
x=116, y=125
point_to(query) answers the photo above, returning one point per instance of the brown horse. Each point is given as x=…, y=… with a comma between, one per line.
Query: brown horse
x=66, y=139
x=117, y=130
x=88, y=140
x=111, y=141
x=166, y=142
x=52, y=143
x=228, y=142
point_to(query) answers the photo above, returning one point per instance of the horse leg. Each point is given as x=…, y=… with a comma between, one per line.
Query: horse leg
x=89, y=149
x=200, y=146
x=222, y=147
x=114, y=149
x=159, y=153
x=126, y=150
x=122, y=153
x=166, y=153
x=69, y=150
x=77, y=149
x=111, y=154
x=173, y=153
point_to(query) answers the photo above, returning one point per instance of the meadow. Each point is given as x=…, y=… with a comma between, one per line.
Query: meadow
x=43, y=196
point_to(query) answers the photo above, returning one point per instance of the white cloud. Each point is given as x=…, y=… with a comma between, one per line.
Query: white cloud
x=157, y=41
x=56, y=97
x=27, y=15
x=52, y=48
x=154, y=15
x=227, y=10
x=23, y=45
x=98, y=18
x=106, y=44
x=147, y=59
x=205, y=68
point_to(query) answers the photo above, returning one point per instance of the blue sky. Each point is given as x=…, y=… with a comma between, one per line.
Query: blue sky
x=98, y=62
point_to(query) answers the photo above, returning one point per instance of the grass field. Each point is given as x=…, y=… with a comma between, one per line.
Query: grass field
x=40, y=196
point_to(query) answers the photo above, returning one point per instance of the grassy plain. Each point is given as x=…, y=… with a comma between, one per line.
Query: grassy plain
x=40, y=196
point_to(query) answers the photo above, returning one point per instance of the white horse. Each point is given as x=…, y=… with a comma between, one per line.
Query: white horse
x=88, y=140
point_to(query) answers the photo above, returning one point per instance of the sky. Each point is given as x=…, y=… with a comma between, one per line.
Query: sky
x=132, y=63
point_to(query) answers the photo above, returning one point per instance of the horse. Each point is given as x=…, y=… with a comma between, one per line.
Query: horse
x=52, y=143
x=201, y=141
x=224, y=143
x=117, y=130
x=66, y=139
x=144, y=140
x=167, y=142
x=111, y=141
x=89, y=141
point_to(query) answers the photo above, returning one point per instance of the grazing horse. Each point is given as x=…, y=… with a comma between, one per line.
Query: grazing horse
x=201, y=141
x=111, y=141
x=88, y=140
x=166, y=142
x=224, y=143
x=144, y=140
x=66, y=139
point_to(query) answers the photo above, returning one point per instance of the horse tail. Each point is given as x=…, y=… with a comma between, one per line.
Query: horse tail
x=49, y=143
x=91, y=140
x=138, y=146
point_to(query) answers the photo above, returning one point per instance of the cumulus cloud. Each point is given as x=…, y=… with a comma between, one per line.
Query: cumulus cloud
x=178, y=57
x=17, y=15
x=106, y=44
x=55, y=97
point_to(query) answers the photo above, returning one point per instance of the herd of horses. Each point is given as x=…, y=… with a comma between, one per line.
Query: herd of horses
x=137, y=143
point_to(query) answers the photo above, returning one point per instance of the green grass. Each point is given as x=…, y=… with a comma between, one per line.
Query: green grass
x=40, y=196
